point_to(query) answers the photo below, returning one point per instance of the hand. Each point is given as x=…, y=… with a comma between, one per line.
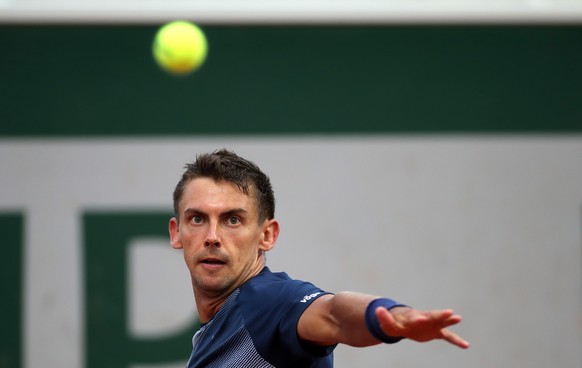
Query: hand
x=420, y=326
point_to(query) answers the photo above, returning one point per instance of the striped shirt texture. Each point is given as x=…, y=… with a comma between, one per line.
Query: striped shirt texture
x=256, y=327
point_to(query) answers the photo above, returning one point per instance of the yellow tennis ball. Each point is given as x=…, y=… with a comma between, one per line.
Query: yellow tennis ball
x=180, y=47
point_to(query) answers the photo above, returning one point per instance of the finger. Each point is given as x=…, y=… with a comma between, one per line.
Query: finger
x=384, y=317
x=454, y=339
x=439, y=314
x=452, y=320
x=444, y=318
x=388, y=323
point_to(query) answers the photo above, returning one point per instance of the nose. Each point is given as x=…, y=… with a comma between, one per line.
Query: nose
x=212, y=238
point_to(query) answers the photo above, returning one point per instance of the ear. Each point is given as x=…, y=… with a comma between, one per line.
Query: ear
x=269, y=235
x=174, y=229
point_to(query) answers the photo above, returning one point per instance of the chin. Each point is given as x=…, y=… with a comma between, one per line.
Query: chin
x=211, y=284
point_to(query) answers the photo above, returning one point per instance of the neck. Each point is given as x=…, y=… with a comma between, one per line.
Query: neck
x=207, y=307
x=208, y=303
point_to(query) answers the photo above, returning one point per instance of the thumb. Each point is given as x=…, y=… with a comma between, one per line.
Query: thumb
x=387, y=321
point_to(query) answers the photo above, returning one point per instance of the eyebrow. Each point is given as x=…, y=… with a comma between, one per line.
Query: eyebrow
x=234, y=211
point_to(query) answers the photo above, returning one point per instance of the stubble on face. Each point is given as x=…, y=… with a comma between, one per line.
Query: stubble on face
x=220, y=234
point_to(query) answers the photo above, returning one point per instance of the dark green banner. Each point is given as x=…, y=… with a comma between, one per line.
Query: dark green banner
x=102, y=80
x=107, y=236
x=11, y=289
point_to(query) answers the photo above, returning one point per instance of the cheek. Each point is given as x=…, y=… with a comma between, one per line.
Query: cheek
x=191, y=243
x=191, y=234
x=252, y=246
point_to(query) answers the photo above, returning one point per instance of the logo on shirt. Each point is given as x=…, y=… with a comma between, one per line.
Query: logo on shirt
x=309, y=297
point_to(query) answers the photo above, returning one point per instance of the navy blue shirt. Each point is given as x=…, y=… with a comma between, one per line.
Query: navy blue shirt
x=257, y=327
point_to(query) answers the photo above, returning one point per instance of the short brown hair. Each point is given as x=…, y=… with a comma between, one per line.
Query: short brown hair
x=224, y=165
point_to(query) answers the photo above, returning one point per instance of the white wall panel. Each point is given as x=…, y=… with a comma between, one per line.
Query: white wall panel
x=490, y=226
x=298, y=11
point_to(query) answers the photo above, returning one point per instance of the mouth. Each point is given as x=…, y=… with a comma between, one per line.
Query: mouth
x=212, y=262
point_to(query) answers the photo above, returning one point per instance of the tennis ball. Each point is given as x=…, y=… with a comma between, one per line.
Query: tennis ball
x=180, y=47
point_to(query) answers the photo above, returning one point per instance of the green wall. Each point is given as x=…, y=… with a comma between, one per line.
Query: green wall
x=107, y=236
x=102, y=80
x=11, y=289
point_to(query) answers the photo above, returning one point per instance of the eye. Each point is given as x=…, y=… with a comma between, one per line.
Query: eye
x=197, y=219
x=233, y=220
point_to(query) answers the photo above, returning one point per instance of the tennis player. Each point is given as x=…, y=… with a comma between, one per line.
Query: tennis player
x=251, y=317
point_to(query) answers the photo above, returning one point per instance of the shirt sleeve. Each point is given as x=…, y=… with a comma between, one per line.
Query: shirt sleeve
x=289, y=325
x=273, y=322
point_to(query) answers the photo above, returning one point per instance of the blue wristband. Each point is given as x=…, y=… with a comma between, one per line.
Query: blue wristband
x=372, y=321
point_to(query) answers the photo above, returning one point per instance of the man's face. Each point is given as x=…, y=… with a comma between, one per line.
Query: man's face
x=219, y=231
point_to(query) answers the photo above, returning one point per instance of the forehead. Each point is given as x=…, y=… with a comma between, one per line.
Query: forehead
x=206, y=194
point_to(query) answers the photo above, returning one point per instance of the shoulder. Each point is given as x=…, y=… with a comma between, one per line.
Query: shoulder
x=278, y=287
x=271, y=305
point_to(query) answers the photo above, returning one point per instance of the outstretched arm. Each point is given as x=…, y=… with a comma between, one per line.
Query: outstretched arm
x=341, y=318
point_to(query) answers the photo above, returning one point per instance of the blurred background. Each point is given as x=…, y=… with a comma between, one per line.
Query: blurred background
x=428, y=151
